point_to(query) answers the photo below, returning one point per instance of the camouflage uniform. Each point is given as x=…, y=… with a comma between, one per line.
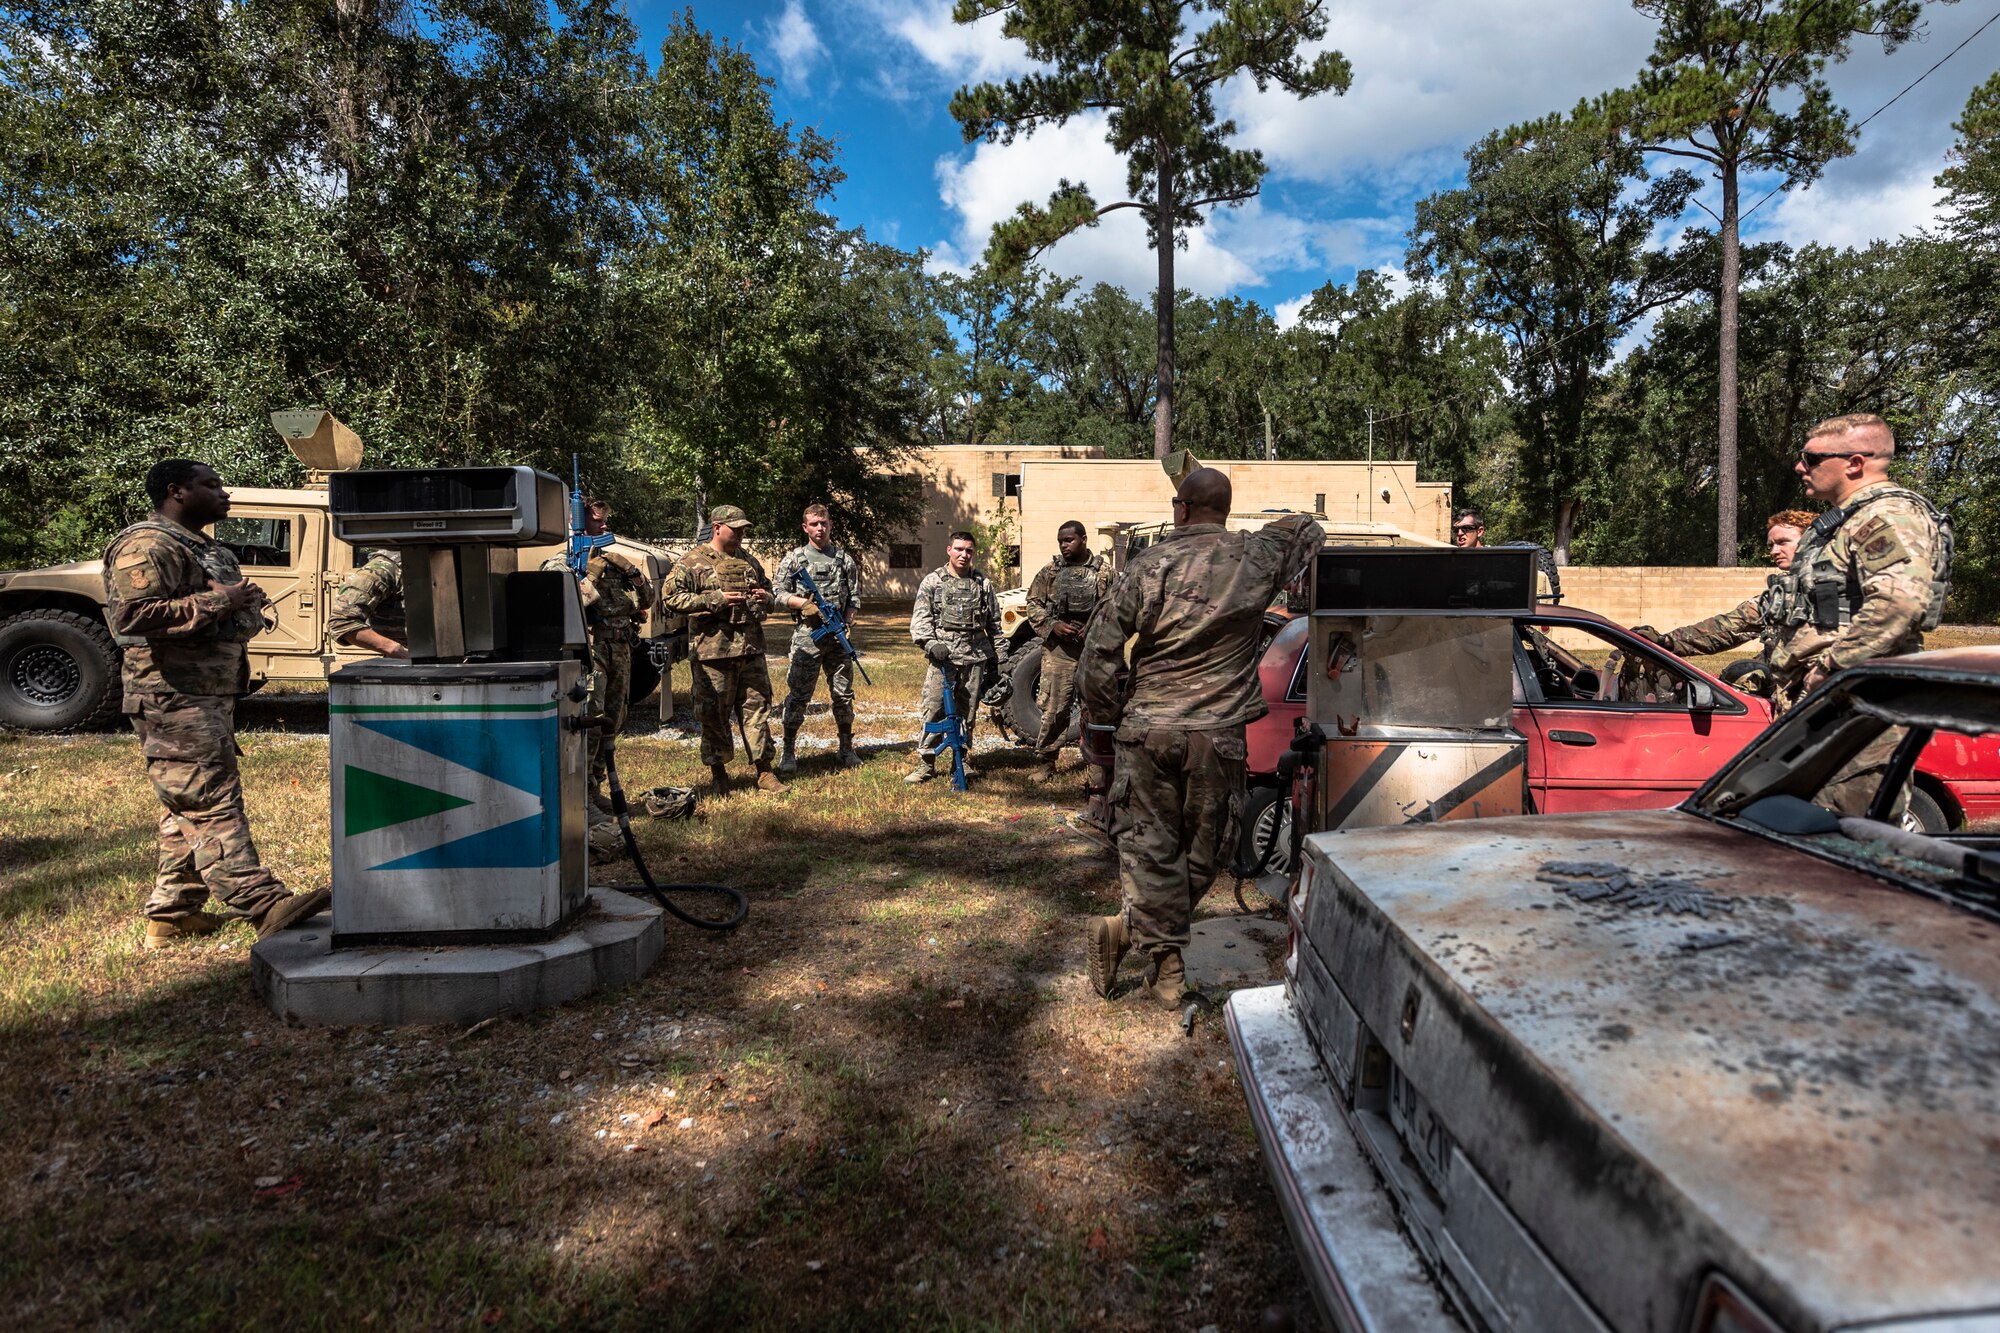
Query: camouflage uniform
x=1062, y=593
x=371, y=598
x=726, y=647
x=839, y=580
x=615, y=594
x=1869, y=577
x=964, y=615
x=184, y=668
x=1195, y=600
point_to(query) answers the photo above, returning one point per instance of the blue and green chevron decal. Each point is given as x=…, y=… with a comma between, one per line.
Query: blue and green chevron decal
x=460, y=791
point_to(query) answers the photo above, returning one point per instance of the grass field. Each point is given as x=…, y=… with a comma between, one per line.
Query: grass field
x=889, y=1099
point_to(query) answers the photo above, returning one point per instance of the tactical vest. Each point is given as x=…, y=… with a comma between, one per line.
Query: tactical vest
x=1073, y=589
x=961, y=605
x=613, y=617
x=1817, y=593
x=733, y=574
x=829, y=571
x=219, y=563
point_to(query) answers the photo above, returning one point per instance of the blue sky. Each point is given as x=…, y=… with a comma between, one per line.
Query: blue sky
x=1430, y=77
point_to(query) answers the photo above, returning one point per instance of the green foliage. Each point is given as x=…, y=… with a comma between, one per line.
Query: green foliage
x=1547, y=243
x=1155, y=80
x=475, y=229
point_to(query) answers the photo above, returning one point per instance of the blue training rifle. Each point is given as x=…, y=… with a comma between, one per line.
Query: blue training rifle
x=580, y=544
x=951, y=728
x=832, y=625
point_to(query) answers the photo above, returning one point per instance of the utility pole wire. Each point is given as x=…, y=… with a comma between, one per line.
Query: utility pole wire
x=1892, y=101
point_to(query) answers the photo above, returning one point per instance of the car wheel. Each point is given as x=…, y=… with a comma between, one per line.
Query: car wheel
x=1024, y=709
x=645, y=676
x=1267, y=831
x=1924, y=814
x=58, y=672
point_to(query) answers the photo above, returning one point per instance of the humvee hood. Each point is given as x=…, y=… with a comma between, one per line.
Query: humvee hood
x=1674, y=1045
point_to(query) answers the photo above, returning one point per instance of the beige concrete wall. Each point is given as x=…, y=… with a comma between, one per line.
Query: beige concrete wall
x=1664, y=597
x=1095, y=492
x=958, y=485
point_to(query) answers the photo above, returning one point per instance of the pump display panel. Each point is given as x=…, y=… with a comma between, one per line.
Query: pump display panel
x=495, y=506
x=1401, y=581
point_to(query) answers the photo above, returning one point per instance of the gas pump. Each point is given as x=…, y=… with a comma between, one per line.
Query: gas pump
x=1410, y=693
x=458, y=776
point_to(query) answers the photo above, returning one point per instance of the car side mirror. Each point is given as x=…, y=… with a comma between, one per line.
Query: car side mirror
x=1702, y=698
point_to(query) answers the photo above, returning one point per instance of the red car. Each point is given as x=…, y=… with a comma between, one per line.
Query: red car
x=1616, y=723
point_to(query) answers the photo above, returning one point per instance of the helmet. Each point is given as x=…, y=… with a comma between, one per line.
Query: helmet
x=668, y=802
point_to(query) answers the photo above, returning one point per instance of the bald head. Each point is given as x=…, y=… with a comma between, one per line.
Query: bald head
x=1207, y=495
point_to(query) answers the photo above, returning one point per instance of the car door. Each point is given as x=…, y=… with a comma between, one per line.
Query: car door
x=1614, y=723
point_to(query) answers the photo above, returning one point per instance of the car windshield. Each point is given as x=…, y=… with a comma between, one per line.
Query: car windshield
x=1848, y=776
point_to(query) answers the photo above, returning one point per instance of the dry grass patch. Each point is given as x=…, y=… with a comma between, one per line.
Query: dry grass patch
x=890, y=1099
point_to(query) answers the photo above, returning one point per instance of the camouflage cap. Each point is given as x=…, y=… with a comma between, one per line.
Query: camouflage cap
x=728, y=516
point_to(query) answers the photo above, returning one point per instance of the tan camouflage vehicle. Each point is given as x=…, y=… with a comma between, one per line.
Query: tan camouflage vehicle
x=59, y=667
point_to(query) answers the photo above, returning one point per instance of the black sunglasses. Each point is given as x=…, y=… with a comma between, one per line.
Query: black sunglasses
x=1813, y=460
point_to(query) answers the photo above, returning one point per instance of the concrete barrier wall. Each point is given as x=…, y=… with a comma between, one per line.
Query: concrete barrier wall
x=1665, y=597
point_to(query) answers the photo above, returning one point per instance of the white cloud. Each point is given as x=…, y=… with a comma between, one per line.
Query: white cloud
x=1432, y=76
x=1849, y=213
x=1287, y=313
x=955, y=52
x=796, y=44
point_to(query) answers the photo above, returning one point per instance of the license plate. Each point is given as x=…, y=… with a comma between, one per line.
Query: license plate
x=1419, y=1129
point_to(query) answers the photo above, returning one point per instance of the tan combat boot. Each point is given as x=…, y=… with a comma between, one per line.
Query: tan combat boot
x=767, y=781
x=162, y=931
x=1105, y=943
x=1166, y=985
x=292, y=911
x=718, y=779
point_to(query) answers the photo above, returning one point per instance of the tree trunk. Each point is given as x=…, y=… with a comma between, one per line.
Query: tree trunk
x=1725, y=438
x=1163, y=305
x=1565, y=529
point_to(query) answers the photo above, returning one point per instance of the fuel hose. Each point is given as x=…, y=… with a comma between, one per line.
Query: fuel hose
x=660, y=891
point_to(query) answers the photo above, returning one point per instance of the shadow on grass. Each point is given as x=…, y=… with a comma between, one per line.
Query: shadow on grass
x=902, y=1114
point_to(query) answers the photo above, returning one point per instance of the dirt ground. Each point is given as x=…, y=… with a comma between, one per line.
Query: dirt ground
x=889, y=1099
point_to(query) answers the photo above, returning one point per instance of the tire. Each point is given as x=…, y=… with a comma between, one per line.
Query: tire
x=1024, y=710
x=58, y=672
x=1924, y=814
x=1752, y=675
x=645, y=676
x=1267, y=816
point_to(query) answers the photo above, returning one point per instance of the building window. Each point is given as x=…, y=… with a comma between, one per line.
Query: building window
x=1006, y=485
x=1319, y=502
x=1013, y=557
x=906, y=555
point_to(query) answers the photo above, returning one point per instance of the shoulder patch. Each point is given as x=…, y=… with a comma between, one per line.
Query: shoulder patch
x=1880, y=547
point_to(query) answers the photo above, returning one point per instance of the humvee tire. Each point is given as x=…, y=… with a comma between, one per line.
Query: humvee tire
x=58, y=672
x=645, y=676
x=1024, y=710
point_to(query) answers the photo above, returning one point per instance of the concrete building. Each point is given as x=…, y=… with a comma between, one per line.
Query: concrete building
x=1096, y=492
x=965, y=489
x=1017, y=498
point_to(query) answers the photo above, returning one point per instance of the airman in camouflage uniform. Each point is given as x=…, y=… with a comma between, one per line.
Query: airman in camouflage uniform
x=1060, y=599
x=1749, y=619
x=956, y=621
x=839, y=581
x=1195, y=603
x=368, y=610
x=723, y=592
x=615, y=594
x=178, y=604
x=1870, y=576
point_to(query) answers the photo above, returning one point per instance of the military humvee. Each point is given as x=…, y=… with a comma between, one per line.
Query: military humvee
x=59, y=666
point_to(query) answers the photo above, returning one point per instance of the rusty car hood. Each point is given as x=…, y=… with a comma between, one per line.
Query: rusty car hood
x=1800, y=1086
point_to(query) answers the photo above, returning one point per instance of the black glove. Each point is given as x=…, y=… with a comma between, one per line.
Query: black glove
x=938, y=651
x=1650, y=635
